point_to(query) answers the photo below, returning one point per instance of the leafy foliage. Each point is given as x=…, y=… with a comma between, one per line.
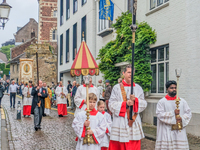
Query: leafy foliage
x=120, y=50
x=6, y=50
x=5, y=69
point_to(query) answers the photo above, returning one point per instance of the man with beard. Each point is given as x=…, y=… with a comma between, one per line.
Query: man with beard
x=167, y=117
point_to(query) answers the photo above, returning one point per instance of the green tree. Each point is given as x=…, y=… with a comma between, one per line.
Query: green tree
x=120, y=50
x=6, y=50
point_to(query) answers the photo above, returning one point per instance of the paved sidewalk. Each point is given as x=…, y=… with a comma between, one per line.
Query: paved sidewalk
x=56, y=133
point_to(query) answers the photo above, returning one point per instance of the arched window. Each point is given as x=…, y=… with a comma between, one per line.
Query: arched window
x=54, y=34
x=55, y=13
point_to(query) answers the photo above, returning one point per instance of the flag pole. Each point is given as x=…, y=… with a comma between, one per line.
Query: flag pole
x=133, y=28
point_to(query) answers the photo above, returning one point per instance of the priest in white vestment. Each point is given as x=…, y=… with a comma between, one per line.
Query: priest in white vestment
x=27, y=102
x=61, y=99
x=123, y=136
x=80, y=97
x=168, y=139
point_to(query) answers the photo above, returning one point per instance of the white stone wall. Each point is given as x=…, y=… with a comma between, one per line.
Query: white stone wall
x=178, y=25
x=94, y=42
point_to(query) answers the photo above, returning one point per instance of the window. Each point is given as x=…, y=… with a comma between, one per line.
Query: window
x=75, y=5
x=54, y=35
x=61, y=49
x=17, y=67
x=67, y=46
x=160, y=2
x=104, y=24
x=55, y=13
x=61, y=12
x=155, y=3
x=152, y=4
x=74, y=40
x=67, y=9
x=83, y=27
x=83, y=2
x=159, y=68
x=22, y=40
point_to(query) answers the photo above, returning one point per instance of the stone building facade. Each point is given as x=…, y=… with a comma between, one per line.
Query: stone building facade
x=27, y=32
x=46, y=62
x=47, y=27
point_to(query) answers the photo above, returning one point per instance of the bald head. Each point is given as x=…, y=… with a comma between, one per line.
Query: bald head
x=100, y=81
x=44, y=84
x=40, y=84
x=74, y=83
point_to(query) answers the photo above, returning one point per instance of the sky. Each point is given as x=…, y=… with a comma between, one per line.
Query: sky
x=20, y=13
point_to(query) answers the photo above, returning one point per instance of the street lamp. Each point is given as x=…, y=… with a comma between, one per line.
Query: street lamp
x=4, y=13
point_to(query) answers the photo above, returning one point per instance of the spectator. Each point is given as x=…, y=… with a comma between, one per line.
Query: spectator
x=83, y=82
x=6, y=85
x=120, y=80
x=69, y=89
x=107, y=94
x=74, y=88
x=100, y=88
x=1, y=92
x=12, y=93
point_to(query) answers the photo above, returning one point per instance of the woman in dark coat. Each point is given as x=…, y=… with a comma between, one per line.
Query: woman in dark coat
x=1, y=92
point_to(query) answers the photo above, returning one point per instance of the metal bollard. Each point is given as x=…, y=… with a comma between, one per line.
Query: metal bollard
x=19, y=110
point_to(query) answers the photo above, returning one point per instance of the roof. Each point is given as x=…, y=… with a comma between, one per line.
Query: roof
x=3, y=57
x=17, y=50
x=31, y=19
x=16, y=59
x=84, y=62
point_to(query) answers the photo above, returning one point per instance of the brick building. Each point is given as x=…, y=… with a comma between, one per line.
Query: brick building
x=47, y=28
x=27, y=32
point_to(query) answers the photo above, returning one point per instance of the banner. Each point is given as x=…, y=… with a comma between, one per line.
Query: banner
x=106, y=10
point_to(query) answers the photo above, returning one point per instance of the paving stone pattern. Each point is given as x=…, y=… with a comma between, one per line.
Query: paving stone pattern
x=56, y=133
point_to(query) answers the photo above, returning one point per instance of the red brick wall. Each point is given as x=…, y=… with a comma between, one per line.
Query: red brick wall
x=47, y=21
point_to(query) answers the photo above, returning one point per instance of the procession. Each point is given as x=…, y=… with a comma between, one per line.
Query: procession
x=99, y=75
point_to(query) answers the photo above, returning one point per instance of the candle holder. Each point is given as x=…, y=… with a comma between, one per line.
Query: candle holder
x=177, y=126
x=88, y=139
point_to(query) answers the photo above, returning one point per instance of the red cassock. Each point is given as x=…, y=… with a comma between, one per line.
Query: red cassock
x=27, y=110
x=131, y=145
x=62, y=109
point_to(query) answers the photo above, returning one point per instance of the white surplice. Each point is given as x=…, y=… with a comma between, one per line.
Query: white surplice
x=106, y=138
x=121, y=131
x=81, y=96
x=60, y=100
x=97, y=125
x=27, y=101
x=166, y=138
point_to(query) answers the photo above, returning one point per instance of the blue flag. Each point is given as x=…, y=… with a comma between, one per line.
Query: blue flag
x=106, y=10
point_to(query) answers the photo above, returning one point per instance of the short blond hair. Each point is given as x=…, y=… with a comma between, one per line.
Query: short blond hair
x=92, y=96
x=100, y=103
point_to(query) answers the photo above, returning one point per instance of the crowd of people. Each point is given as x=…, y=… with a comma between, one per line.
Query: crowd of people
x=110, y=125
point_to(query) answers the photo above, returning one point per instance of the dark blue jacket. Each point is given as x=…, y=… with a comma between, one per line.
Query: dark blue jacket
x=74, y=91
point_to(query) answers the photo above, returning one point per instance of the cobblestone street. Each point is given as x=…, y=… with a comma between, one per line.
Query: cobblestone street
x=56, y=133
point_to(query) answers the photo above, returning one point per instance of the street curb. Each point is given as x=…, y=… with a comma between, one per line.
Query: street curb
x=150, y=137
x=4, y=131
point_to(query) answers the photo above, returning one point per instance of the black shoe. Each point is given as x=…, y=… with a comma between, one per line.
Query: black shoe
x=13, y=106
x=44, y=115
x=36, y=128
x=60, y=115
x=24, y=116
x=39, y=128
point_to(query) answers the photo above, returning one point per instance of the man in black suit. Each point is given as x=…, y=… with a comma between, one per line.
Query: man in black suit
x=39, y=94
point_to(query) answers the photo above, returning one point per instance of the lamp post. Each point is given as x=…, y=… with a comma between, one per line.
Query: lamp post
x=4, y=13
